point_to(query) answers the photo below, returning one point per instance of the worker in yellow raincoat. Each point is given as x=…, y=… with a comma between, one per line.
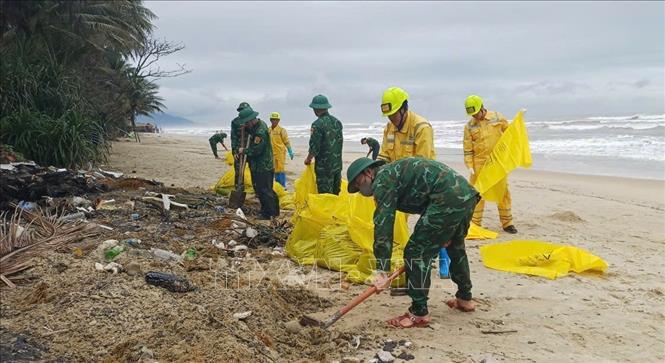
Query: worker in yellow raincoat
x=407, y=134
x=481, y=133
x=280, y=145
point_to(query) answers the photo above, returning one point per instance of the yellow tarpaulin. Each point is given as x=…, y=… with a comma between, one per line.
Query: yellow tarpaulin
x=477, y=232
x=510, y=152
x=540, y=258
x=227, y=182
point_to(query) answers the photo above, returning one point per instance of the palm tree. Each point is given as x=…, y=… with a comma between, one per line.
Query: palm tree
x=143, y=99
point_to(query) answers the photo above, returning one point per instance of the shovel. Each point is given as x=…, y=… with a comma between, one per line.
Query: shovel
x=309, y=321
x=237, y=196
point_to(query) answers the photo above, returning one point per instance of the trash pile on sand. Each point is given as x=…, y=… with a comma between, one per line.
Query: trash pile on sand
x=168, y=275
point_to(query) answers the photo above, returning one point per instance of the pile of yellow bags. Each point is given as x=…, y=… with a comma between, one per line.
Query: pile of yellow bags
x=337, y=231
x=226, y=183
x=540, y=258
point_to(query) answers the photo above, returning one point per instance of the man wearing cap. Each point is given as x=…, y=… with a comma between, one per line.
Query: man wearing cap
x=280, y=145
x=407, y=133
x=325, y=145
x=481, y=133
x=236, y=142
x=259, y=157
x=445, y=202
x=374, y=146
x=218, y=137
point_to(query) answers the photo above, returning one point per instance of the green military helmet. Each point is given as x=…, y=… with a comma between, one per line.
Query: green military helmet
x=356, y=168
x=246, y=114
x=320, y=102
x=242, y=105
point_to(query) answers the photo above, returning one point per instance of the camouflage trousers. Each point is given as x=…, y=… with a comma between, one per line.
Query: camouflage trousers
x=438, y=225
x=328, y=182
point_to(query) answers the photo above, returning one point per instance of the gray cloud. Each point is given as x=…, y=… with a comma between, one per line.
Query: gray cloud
x=555, y=59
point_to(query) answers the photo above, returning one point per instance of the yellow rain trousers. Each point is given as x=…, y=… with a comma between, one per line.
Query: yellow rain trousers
x=414, y=139
x=226, y=183
x=280, y=142
x=540, y=258
x=337, y=231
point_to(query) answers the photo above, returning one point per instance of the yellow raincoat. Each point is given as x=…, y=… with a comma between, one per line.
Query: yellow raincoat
x=414, y=139
x=280, y=142
x=479, y=140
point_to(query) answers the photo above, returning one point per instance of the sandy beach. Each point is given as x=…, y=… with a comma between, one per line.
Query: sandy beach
x=617, y=316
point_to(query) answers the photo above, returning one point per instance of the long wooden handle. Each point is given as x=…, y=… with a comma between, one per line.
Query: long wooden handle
x=357, y=300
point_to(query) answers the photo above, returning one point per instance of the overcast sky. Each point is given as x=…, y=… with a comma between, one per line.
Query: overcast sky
x=559, y=60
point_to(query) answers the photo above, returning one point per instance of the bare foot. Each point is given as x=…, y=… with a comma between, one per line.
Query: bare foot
x=461, y=305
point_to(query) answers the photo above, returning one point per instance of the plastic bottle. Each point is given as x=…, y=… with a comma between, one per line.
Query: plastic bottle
x=444, y=263
x=190, y=254
x=113, y=252
x=165, y=255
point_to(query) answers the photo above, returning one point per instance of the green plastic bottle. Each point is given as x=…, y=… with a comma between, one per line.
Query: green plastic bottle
x=113, y=252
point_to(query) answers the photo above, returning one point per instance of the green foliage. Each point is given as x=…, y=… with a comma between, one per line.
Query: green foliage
x=65, y=84
x=71, y=140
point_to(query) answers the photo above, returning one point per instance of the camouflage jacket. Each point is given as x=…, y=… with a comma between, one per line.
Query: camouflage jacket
x=325, y=143
x=235, y=135
x=218, y=137
x=259, y=151
x=412, y=185
x=373, y=144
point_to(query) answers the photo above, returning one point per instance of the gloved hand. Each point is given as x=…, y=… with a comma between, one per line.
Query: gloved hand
x=290, y=152
x=380, y=280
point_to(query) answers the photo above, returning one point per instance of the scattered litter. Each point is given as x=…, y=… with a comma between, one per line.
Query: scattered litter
x=27, y=206
x=190, y=254
x=385, y=357
x=80, y=202
x=99, y=266
x=239, y=248
x=113, y=252
x=133, y=269
x=109, y=243
x=240, y=214
x=170, y=282
x=113, y=267
x=72, y=217
x=232, y=243
x=219, y=208
x=218, y=244
x=135, y=216
x=242, y=316
x=112, y=174
x=251, y=232
x=133, y=242
x=165, y=255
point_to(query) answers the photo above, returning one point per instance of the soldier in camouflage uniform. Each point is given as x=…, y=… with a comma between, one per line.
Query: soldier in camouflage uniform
x=259, y=157
x=374, y=146
x=325, y=145
x=445, y=202
x=235, y=142
x=217, y=138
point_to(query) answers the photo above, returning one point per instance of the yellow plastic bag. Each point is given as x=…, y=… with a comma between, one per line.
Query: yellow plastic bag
x=540, y=258
x=511, y=151
x=335, y=250
x=478, y=232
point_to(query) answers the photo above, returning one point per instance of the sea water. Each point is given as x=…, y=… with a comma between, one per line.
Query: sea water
x=626, y=146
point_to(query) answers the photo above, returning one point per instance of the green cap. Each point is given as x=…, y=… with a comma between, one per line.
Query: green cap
x=246, y=114
x=242, y=105
x=356, y=168
x=320, y=102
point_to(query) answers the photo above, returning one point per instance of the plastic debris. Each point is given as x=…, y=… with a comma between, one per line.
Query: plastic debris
x=170, y=282
x=133, y=242
x=165, y=255
x=27, y=206
x=242, y=316
x=385, y=357
x=251, y=232
x=190, y=254
x=72, y=217
x=241, y=214
x=135, y=216
x=113, y=252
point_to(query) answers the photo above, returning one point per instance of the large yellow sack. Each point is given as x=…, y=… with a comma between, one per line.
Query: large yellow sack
x=510, y=152
x=335, y=250
x=540, y=258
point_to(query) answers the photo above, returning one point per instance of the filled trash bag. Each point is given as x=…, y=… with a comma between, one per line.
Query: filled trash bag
x=335, y=250
x=540, y=258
